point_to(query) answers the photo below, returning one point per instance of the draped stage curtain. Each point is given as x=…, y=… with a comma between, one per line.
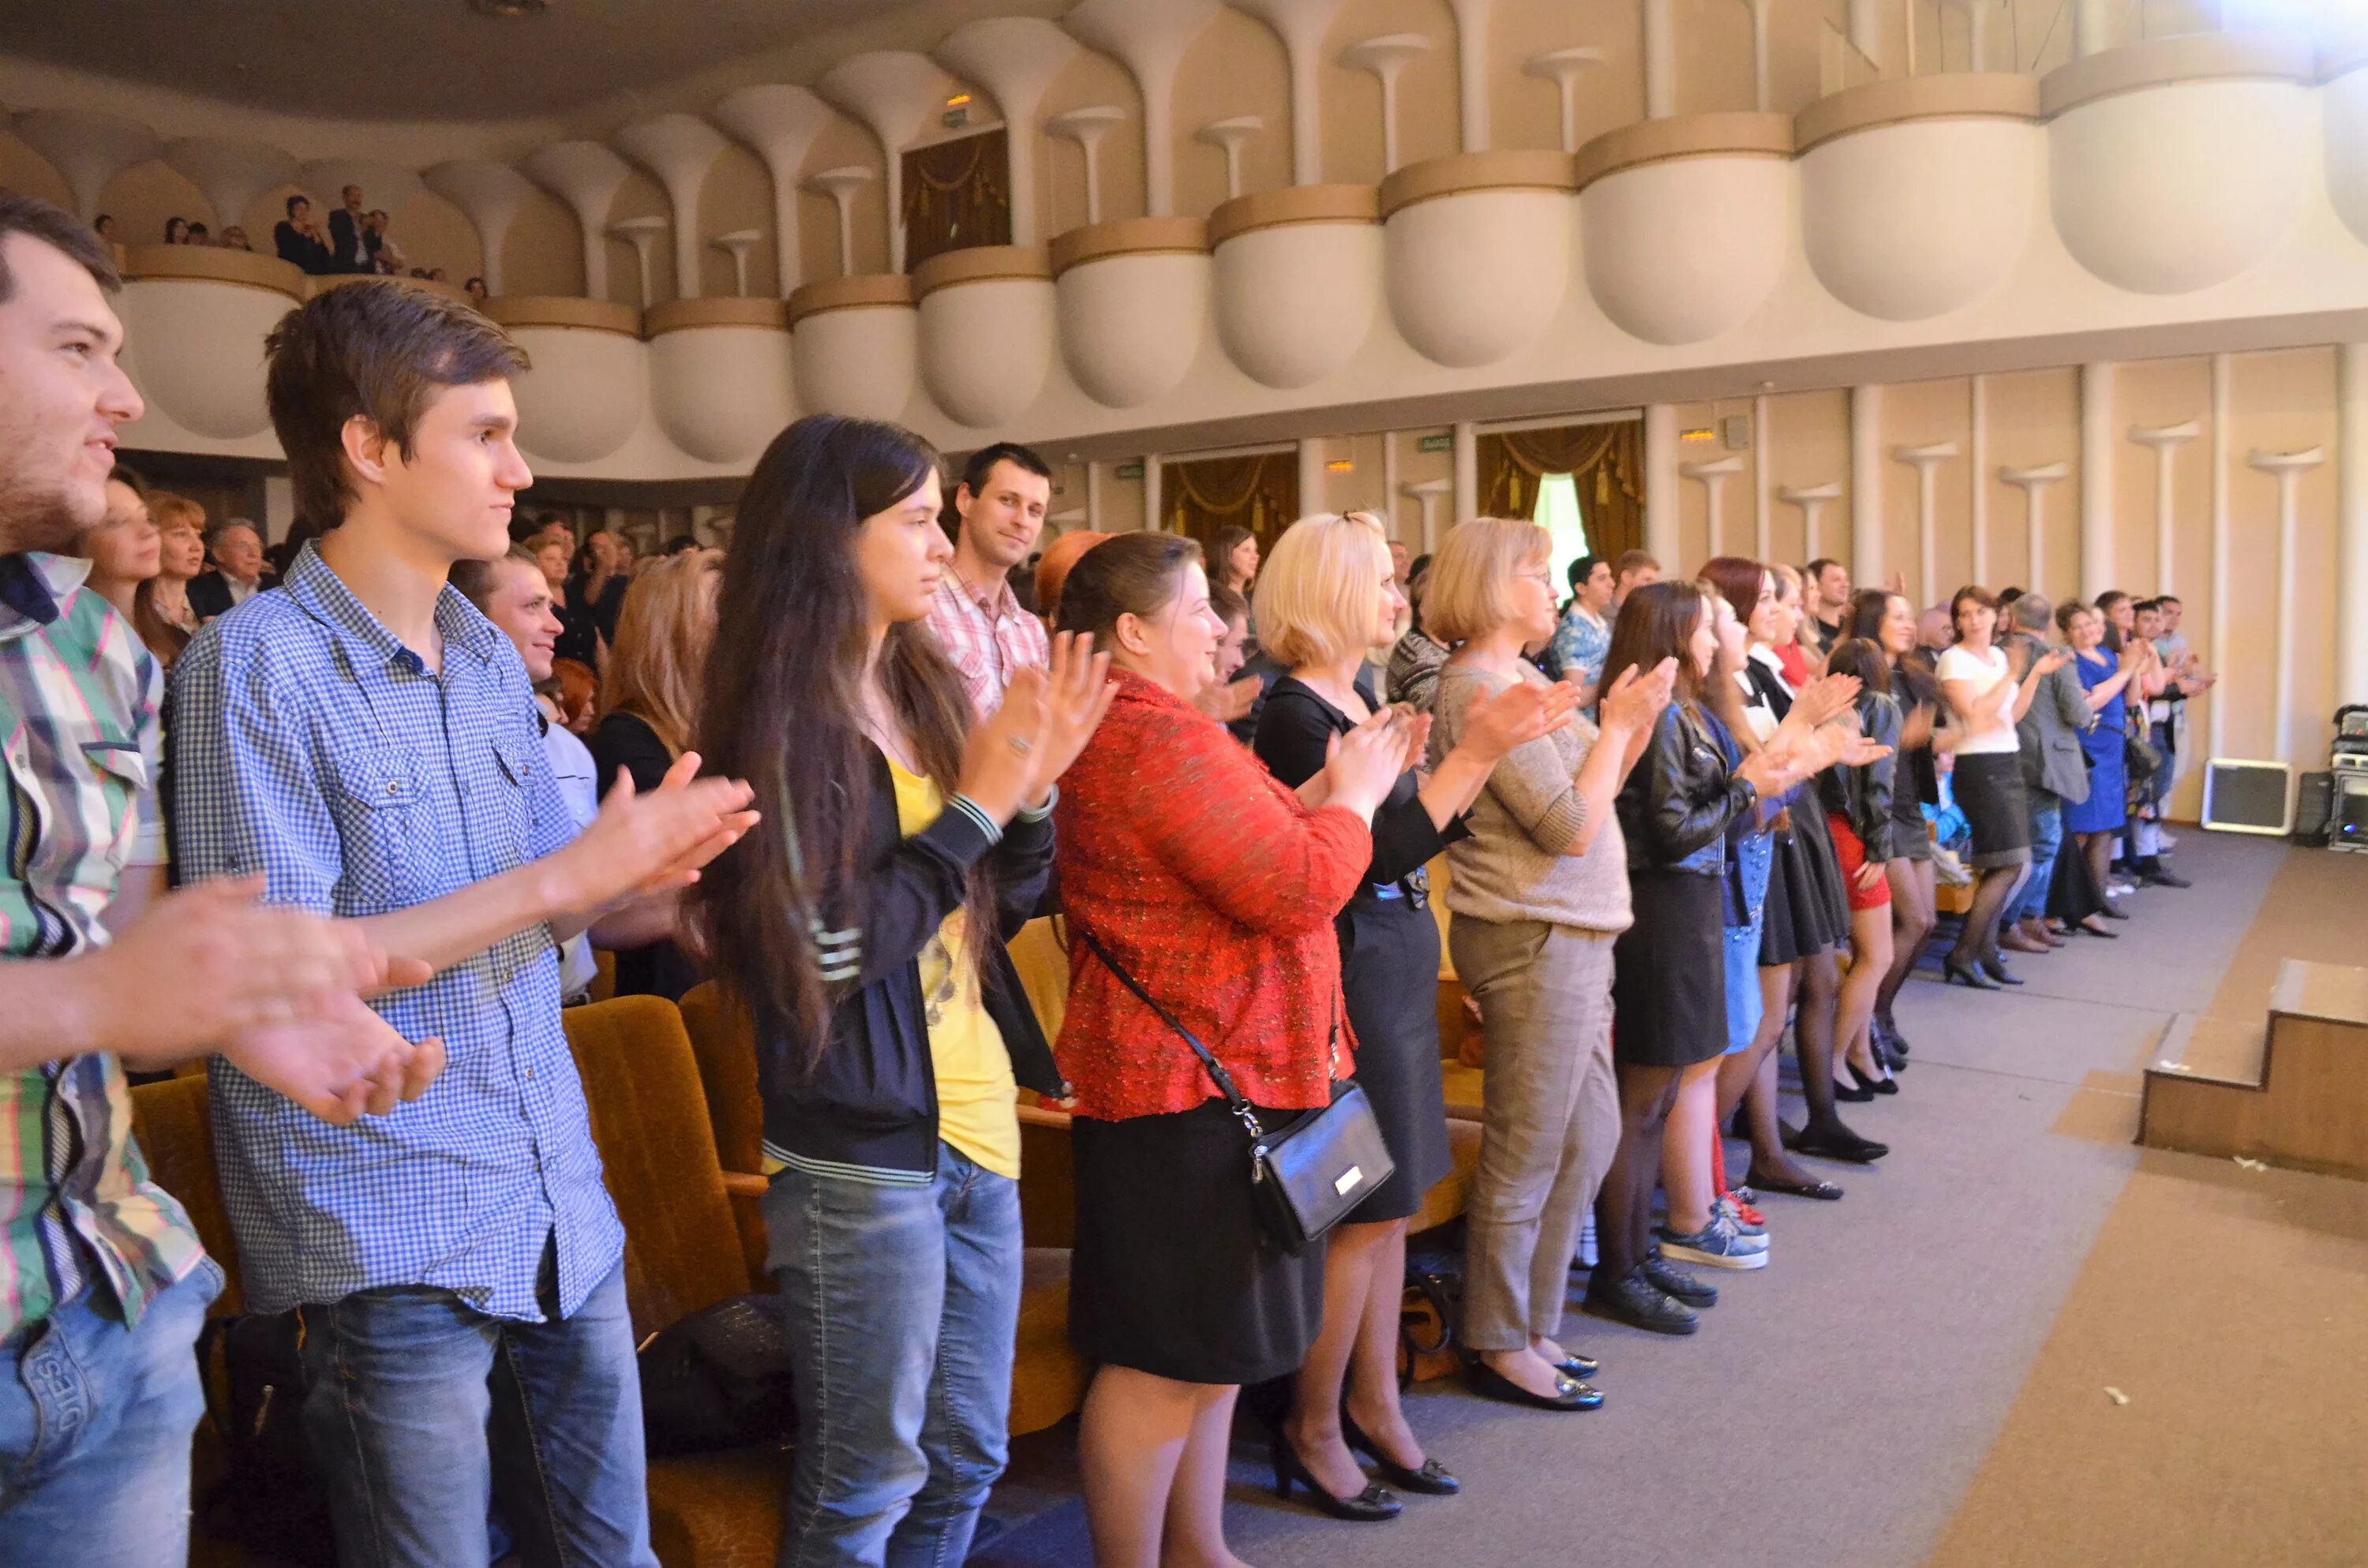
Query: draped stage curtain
x=1260, y=493
x=1606, y=463
x=957, y=195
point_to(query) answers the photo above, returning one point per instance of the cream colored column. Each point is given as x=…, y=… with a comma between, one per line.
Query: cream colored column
x=1467, y=472
x=2166, y=440
x=1093, y=497
x=1863, y=19
x=1661, y=59
x=2034, y=484
x=1313, y=495
x=1927, y=461
x=2289, y=468
x=1153, y=517
x=2221, y=400
x=1713, y=475
x=1661, y=486
x=1866, y=485
x=2091, y=25
x=1427, y=495
x=1977, y=461
x=1811, y=501
x=2351, y=524
x=1763, y=504
x=2096, y=479
x=1389, y=484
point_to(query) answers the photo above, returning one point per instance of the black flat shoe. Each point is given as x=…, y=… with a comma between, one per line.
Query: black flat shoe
x=1675, y=1282
x=1841, y=1143
x=1578, y=1369
x=1372, y=1507
x=1963, y=974
x=2087, y=930
x=1869, y=1087
x=1570, y=1393
x=1995, y=967
x=1634, y=1302
x=1431, y=1481
x=1855, y=1090
x=1825, y=1190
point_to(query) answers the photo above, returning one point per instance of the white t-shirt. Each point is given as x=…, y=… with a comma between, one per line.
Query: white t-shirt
x=579, y=785
x=1980, y=671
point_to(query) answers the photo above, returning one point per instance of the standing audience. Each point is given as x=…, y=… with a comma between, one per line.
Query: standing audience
x=977, y=619
x=239, y=571
x=1988, y=696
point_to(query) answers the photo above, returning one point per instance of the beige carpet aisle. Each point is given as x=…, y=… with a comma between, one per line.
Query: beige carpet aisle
x=1918, y=1377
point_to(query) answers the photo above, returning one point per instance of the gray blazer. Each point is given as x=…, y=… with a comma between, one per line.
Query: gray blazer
x=2050, y=732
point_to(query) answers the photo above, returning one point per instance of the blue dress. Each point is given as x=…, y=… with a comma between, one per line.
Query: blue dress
x=2108, y=784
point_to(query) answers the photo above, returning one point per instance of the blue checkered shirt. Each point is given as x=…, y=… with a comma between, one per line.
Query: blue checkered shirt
x=304, y=741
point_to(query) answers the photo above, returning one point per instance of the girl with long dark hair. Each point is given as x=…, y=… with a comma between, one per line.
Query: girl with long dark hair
x=1857, y=802
x=864, y=931
x=1888, y=620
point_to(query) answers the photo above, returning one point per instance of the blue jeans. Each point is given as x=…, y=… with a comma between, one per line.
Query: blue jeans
x=2046, y=843
x=423, y=1409
x=904, y=1309
x=95, y=1425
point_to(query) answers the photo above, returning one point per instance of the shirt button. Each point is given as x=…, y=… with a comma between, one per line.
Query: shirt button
x=529, y=1074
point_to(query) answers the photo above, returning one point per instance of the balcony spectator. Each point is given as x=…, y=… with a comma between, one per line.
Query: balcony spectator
x=176, y=230
x=199, y=236
x=349, y=241
x=386, y=256
x=475, y=289
x=105, y=227
x=298, y=241
x=235, y=238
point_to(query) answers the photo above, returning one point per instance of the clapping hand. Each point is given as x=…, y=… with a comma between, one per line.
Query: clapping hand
x=654, y=842
x=1520, y=713
x=341, y=1062
x=1361, y=766
x=1636, y=700
x=1230, y=701
x=1046, y=718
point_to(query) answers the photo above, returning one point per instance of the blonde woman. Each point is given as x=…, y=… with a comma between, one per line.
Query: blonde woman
x=649, y=706
x=1539, y=893
x=1327, y=597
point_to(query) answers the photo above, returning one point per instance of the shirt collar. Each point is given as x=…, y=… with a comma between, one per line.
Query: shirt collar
x=34, y=588
x=992, y=601
x=322, y=594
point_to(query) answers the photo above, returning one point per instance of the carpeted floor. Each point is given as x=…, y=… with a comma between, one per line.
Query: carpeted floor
x=1920, y=1374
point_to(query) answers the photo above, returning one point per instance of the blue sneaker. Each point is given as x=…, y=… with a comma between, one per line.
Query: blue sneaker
x=1717, y=1246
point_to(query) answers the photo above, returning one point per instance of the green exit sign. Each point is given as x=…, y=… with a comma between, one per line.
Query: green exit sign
x=1130, y=471
x=1442, y=442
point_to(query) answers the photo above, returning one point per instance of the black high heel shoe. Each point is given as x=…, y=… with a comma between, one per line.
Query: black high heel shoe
x=1964, y=975
x=1854, y=1092
x=1431, y=1481
x=1374, y=1505
x=1995, y=967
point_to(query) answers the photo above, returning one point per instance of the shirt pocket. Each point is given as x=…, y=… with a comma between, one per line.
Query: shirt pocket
x=511, y=802
x=379, y=809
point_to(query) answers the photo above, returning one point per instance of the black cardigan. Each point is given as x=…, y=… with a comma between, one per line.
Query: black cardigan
x=872, y=1099
x=1294, y=728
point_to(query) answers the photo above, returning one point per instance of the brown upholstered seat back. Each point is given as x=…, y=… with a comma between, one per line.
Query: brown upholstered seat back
x=649, y=1117
x=725, y=1044
x=177, y=1136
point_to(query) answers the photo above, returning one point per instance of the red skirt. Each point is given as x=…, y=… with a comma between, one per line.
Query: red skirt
x=1851, y=850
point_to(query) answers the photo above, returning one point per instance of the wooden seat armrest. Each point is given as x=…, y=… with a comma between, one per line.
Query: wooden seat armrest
x=743, y=1184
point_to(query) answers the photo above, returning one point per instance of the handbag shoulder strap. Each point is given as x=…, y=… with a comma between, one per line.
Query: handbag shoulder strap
x=1209, y=1062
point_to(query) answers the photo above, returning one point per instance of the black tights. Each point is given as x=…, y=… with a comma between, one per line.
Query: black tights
x=1817, y=984
x=1912, y=919
x=1623, y=1208
x=1992, y=893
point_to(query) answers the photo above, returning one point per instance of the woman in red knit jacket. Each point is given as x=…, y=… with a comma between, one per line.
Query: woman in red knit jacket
x=1216, y=887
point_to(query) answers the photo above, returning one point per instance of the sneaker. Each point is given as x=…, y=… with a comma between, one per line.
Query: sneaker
x=1717, y=1246
x=1586, y=1252
x=1633, y=1302
x=2116, y=888
x=1676, y=1284
x=1747, y=1220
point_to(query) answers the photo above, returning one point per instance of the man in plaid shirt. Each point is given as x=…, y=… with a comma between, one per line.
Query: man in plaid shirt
x=102, y=1279
x=979, y=621
x=366, y=741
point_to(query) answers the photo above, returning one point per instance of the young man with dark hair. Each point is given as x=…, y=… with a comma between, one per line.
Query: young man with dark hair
x=365, y=738
x=1828, y=596
x=102, y=1280
x=1000, y=505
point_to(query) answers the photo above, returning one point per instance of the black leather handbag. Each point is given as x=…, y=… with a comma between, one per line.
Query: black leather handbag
x=1305, y=1178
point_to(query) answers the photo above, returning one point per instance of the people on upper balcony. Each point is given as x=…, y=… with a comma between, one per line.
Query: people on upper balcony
x=475, y=289
x=299, y=240
x=199, y=236
x=104, y=227
x=350, y=247
x=176, y=230
x=236, y=548
x=234, y=237
x=386, y=256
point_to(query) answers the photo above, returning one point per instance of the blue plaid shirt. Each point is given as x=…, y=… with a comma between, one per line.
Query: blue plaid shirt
x=305, y=742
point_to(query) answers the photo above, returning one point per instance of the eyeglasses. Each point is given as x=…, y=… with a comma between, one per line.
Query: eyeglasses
x=1544, y=579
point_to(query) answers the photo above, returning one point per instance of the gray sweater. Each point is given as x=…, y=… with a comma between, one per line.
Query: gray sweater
x=1514, y=865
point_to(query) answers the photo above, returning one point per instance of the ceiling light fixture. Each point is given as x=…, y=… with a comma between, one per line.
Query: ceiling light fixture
x=509, y=10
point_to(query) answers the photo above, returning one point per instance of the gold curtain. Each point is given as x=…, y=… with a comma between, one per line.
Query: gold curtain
x=1606, y=461
x=956, y=196
x=1260, y=493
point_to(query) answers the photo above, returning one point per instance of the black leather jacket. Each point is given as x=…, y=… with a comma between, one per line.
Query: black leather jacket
x=1862, y=795
x=1678, y=800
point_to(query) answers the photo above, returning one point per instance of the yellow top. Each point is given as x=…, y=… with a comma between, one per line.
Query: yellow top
x=975, y=1091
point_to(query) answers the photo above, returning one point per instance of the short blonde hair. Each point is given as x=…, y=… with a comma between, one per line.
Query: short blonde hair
x=663, y=631
x=1319, y=592
x=1469, y=592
